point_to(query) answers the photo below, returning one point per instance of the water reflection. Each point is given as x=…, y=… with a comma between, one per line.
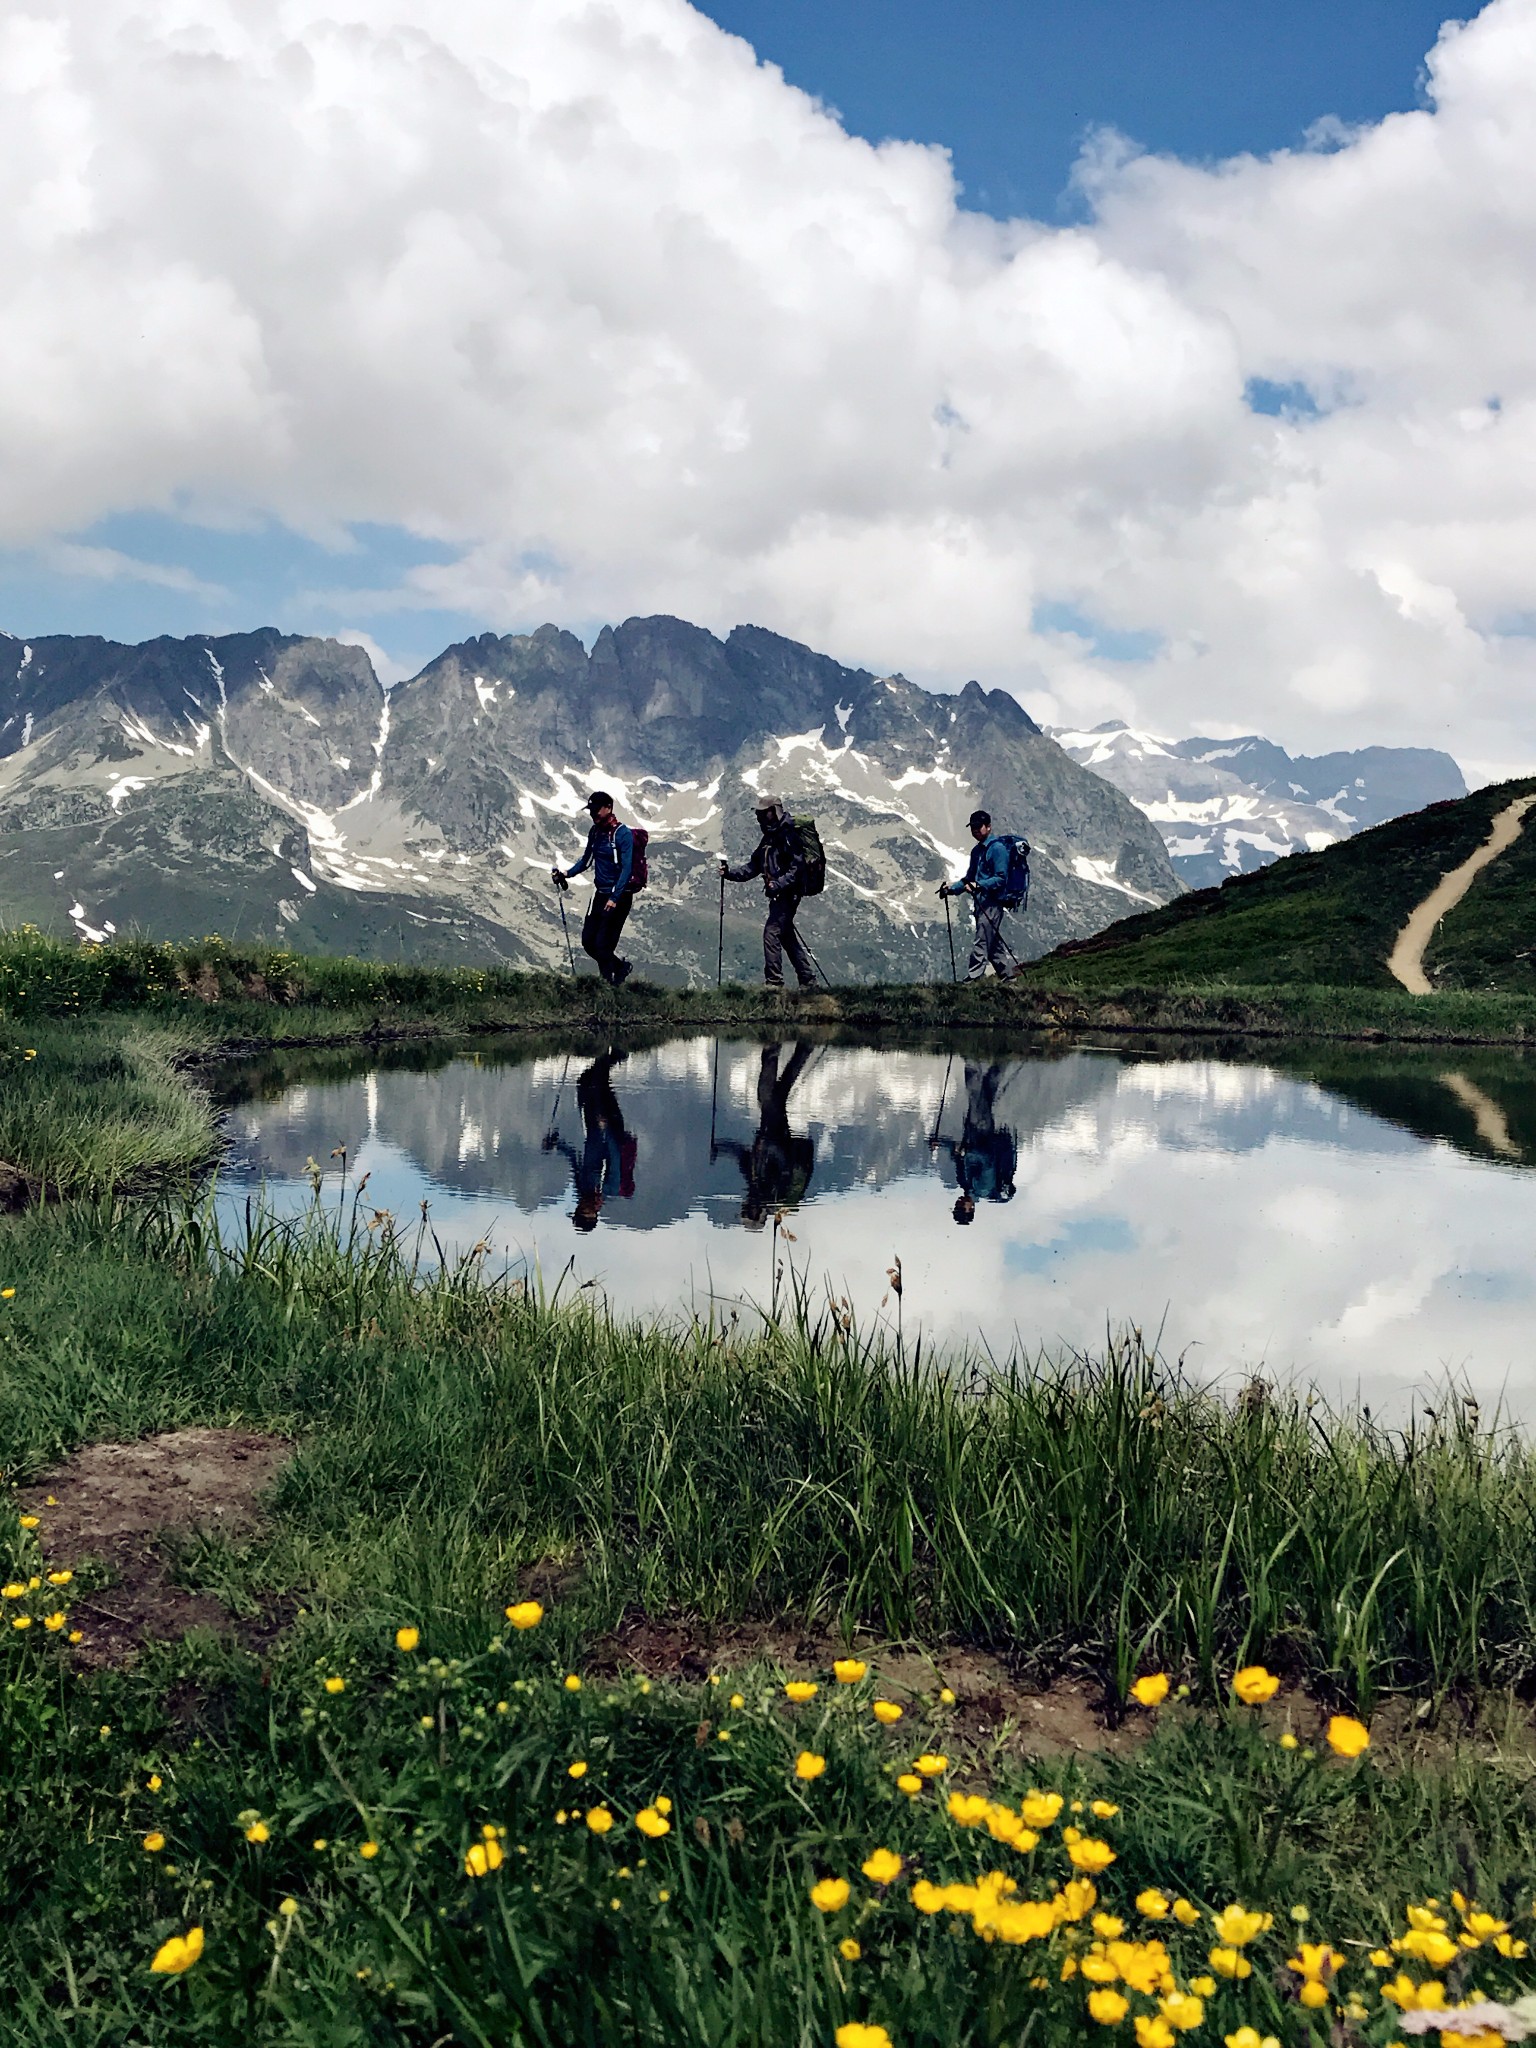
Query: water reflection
x=1359, y=1217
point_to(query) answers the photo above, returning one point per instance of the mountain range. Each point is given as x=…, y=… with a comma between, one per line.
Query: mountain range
x=1226, y=807
x=267, y=786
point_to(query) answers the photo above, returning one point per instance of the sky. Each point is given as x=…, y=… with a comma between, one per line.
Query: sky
x=1163, y=364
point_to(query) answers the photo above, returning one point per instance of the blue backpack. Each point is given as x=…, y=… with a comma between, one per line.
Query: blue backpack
x=1016, y=886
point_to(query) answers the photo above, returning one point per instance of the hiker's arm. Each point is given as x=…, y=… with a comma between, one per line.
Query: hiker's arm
x=748, y=868
x=586, y=858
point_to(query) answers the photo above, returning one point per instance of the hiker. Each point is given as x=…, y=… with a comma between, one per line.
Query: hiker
x=985, y=1158
x=610, y=852
x=780, y=858
x=605, y=1164
x=777, y=1166
x=986, y=880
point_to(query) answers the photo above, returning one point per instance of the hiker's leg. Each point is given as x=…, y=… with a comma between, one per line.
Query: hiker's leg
x=997, y=951
x=592, y=935
x=986, y=928
x=779, y=912
x=617, y=919
x=795, y=946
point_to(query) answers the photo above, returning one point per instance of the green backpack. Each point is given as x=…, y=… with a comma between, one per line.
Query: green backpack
x=814, y=854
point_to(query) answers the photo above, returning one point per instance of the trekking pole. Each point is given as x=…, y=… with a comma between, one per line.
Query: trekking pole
x=720, y=953
x=714, y=1093
x=560, y=899
x=954, y=972
x=933, y=1142
x=818, y=967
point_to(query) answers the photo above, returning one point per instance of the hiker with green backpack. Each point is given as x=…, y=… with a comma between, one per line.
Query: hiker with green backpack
x=790, y=860
x=997, y=881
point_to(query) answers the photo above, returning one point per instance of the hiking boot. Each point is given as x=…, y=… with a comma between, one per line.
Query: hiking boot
x=621, y=973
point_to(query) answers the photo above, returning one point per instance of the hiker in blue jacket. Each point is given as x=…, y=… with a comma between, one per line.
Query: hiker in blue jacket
x=605, y=1165
x=985, y=880
x=610, y=853
x=986, y=1156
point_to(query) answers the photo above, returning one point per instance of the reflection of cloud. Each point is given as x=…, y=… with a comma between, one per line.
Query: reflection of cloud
x=1254, y=1219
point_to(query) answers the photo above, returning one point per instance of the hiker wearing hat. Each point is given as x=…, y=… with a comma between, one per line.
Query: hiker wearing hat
x=780, y=860
x=610, y=853
x=986, y=882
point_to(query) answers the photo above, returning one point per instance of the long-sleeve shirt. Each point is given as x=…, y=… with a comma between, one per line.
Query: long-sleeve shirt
x=779, y=858
x=987, y=874
x=612, y=856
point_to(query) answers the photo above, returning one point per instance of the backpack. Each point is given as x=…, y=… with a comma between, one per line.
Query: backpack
x=639, y=866
x=1016, y=886
x=814, y=855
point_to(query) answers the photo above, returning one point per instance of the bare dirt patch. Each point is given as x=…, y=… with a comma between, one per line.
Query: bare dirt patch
x=116, y=1504
x=1058, y=1720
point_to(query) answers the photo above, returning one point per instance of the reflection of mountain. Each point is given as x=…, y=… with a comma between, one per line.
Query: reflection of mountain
x=1482, y=1102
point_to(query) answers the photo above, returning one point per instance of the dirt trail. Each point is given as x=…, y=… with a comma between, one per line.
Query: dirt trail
x=1407, y=960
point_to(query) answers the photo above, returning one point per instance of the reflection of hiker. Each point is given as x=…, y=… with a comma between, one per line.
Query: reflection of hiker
x=985, y=1157
x=605, y=1164
x=780, y=859
x=987, y=881
x=776, y=1166
x=610, y=853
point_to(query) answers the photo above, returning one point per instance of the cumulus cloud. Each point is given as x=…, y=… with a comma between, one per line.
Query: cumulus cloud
x=589, y=294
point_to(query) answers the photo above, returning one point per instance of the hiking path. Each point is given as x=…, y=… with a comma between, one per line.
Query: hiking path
x=1407, y=957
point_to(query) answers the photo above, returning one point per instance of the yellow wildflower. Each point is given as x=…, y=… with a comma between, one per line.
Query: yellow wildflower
x=407, y=1638
x=483, y=1857
x=1254, y=1685
x=1152, y=1905
x=367, y=1850
x=909, y=1783
x=525, y=1614
x=54, y=1622
x=1108, y=1926
x=651, y=1823
x=1152, y=1690
x=809, y=1765
x=572, y=1682
x=1236, y=1926
x=21, y=1621
x=1041, y=1808
x=882, y=1866
x=1410, y=1997
x=1182, y=2009
x=178, y=1954
x=1287, y=1741
x=335, y=1685
x=599, y=1820
x=1186, y=1914
x=1092, y=1855
x=885, y=1711
x=1250, y=2037
x=738, y=1699
x=1429, y=1945
x=1204, y=1986
x=16, y=1590
x=1347, y=1736
x=830, y=1894
x=1229, y=1962
x=154, y=1842
x=1107, y=2007
x=1153, y=2032
x=258, y=1832
x=288, y=1908
x=1103, y=1809
x=856, y=2034
x=662, y=1804
x=320, y=1842
x=928, y=1898
x=577, y=1769
x=946, y=1696
x=930, y=1766
x=60, y=1578
x=153, y=1781
x=800, y=1690
x=968, y=1809
x=849, y=1950
x=849, y=1670
x=27, y=1521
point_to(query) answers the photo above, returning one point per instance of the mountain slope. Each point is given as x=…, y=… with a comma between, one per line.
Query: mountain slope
x=1332, y=917
x=1229, y=806
x=267, y=786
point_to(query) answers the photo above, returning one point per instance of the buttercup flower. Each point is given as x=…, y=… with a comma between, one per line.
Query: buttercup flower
x=27, y=1521
x=599, y=1820
x=483, y=1857
x=60, y=1578
x=54, y=1622
x=1254, y=1685
x=335, y=1685
x=1183, y=2010
x=153, y=1781
x=830, y=1894
x=930, y=1766
x=809, y=1765
x=525, y=1614
x=1091, y=1855
x=1152, y=1690
x=258, y=1832
x=407, y=1638
x=800, y=1690
x=572, y=1682
x=21, y=1621
x=1153, y=1905
x=1186, y=1914
x=909, y=1783
x=1250, y=2037
x=1107, y=2007
x=154, y=1842
x=15, y=1590
x=651, y=1823
x=1347, y=1736
x=1040, y=1809
x=367, y=1850
x=849, y=1950
x=849, y=1670
x=1103, y=1809
x=178, y=1954
x=738, y=1700
x=885, y=1711
x=855, y=2034
x=1236, y=1926
x=882, y=1866
x=1153, y=2032
x=1229, y=1962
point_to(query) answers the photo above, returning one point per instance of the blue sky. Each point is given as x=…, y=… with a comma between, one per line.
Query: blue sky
x=1010, y=89
x=1012, y=86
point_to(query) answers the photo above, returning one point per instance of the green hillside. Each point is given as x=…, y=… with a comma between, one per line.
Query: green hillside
x=1330, y=918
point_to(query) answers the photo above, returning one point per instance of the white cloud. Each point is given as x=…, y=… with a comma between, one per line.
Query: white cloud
x=588, y=293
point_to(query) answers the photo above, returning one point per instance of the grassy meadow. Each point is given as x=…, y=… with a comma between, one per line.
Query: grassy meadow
x=594, y=1680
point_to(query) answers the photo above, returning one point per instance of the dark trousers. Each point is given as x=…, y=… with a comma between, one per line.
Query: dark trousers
x=600, y=933
x=780, y=937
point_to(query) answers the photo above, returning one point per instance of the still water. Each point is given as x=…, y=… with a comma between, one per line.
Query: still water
x=1360, y=1218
